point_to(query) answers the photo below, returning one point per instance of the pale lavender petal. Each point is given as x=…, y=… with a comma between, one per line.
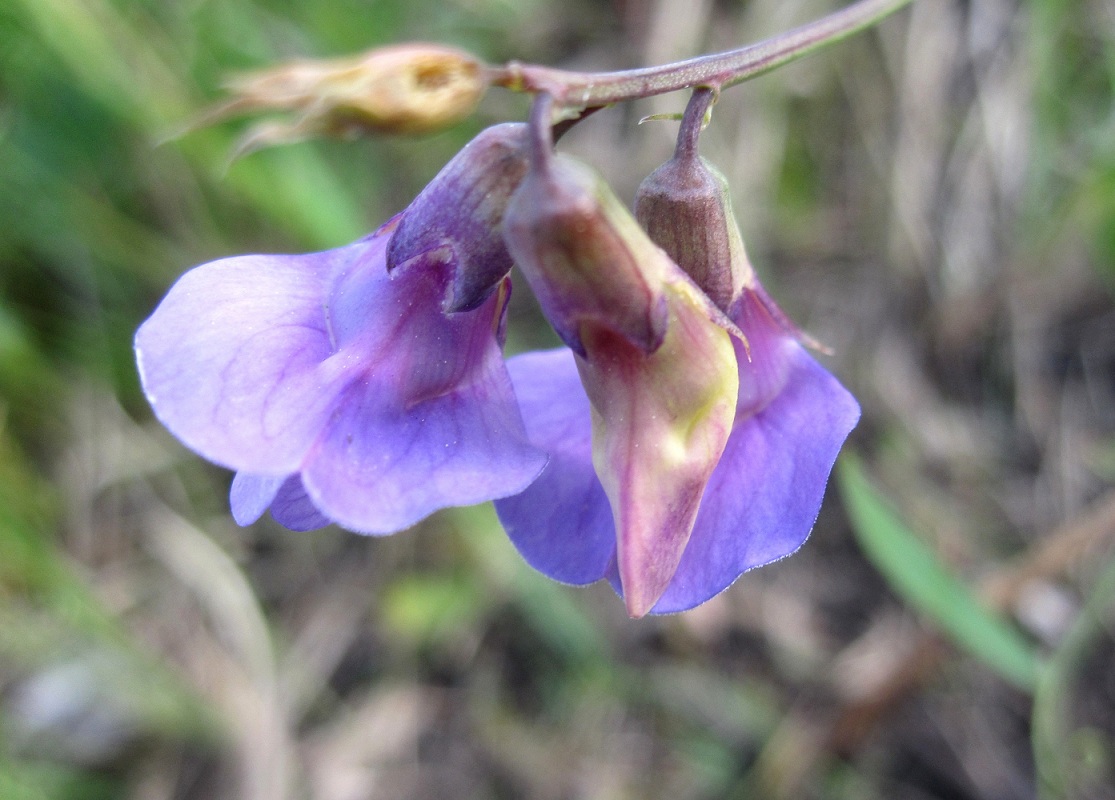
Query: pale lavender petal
x=251, y=495
x=231, y=359
x=562, y=524
x=765, y=494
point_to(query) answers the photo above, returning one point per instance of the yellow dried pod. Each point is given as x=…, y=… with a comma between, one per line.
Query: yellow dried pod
x=406, y=89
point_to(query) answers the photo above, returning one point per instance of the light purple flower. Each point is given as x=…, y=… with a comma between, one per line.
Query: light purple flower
x=338, y=391
x=760, y=503
x=365, y=385
x=673, y=519
x=653, y=352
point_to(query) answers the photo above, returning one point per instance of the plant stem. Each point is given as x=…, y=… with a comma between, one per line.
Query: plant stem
x=577, y=90
x=541, y=133
x=693, y=122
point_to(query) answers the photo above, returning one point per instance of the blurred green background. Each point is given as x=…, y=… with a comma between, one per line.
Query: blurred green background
x=935, y=200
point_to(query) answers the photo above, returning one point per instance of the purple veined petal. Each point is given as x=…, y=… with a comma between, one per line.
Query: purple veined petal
x=461, y=210
x=765, y=494
x=381, y=467
x=350, y=385
x=232, y=359
x=562, y=523
x=389, y=327
x=773, y=345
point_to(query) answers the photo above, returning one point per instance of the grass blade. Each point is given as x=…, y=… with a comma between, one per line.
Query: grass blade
x=921, y=579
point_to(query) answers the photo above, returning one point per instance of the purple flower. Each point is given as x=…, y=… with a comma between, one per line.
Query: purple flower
x=685, y=437
x=341, y=391
x=760, y=502
x=674, y=518
x=654, y=355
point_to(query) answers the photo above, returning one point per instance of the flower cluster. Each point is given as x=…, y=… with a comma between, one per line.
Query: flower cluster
x=682, y=437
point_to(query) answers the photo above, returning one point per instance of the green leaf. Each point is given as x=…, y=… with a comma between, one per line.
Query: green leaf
x=1073, y=760
x=917, y=575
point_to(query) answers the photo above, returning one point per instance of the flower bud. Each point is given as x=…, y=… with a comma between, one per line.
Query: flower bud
x=457, y=217
x=685, y=207
x=585, y=257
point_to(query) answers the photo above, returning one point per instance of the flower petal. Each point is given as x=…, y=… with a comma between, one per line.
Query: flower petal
x=561, y=524
x=293, y=509
x=428, y=418
x=230, y=359
x=347, y=385
x=773, y=347
x=461, y=211
x=765, y=494
x=660, y=423
x=251, y=495
x=381, y=466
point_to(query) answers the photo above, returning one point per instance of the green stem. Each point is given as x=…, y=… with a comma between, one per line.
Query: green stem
x=576, y=90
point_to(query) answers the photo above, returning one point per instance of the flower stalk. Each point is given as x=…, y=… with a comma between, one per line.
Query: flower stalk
x=572, y=91
x=421, y=88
